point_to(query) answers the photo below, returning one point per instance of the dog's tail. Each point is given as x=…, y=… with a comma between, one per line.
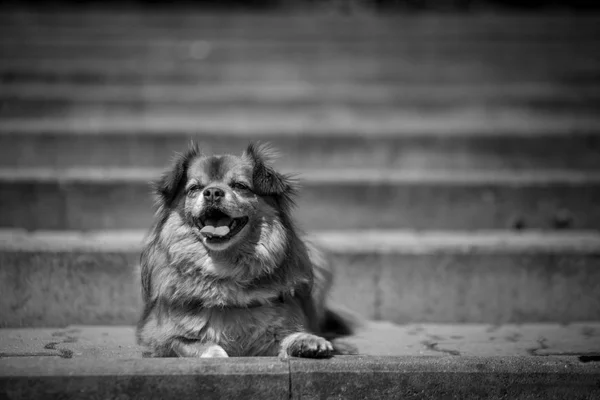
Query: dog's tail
x=338, y=322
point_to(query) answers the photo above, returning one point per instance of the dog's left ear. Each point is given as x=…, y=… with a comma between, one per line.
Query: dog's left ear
x=267, y=181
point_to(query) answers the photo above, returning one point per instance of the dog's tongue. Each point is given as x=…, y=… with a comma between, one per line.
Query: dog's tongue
x=216, y=227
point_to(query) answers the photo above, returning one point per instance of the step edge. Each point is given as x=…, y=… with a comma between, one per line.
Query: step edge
x=98, y=175
x=48, y=366
x=337, y=121
x=347, y=242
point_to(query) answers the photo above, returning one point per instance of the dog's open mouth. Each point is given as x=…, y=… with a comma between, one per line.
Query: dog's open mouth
x=216, y=226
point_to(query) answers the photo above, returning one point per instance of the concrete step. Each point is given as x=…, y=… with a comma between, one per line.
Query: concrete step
x=210, y=52
x=387, y=66
x=405, y=151
x=481, y=47
x=251, y=25
x=330, y=121
x=562, y=110
x=318, y=114
x=296, y=93
x=173, y=46
x=61, y=278
x=38, y=100
x=433, y=361
x=187, y=47
x=103, y=70
x=87, y=199
x=196, y=65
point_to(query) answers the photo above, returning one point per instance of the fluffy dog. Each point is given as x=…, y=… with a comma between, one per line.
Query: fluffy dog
x=224, y=270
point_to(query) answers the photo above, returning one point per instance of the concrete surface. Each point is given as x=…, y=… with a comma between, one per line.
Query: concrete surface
x=48, y=378
x=271, y=102
x=337, y=121
x=428, y=87
x=62, y=278
x=426, y=361
x=347, y=377
x=449, y=377
x=332, y=199
x=319, y=149
x=153, y=96
x=149, y=20
x=99, y=89
x=374, y=338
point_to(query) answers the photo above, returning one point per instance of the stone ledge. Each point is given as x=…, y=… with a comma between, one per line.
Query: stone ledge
x=348, y=377
x=289, y=123
x=444, y=377
x=99, y=198
x=49, y=377
x=549, y=361
x=309, y=175
x=506, y=150
x=364, y=241
x=480, y=277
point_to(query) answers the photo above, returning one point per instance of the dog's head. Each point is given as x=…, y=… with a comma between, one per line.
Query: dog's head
x=226, y=199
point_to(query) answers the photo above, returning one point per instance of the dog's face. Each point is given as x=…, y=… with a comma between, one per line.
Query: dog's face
x=220, y=200
x=225, y=199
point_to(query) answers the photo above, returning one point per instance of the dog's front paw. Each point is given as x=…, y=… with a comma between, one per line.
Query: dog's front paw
x=214, y=351
x=305, y=345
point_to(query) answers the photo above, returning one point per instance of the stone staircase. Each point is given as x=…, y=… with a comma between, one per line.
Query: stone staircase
x=450, y=164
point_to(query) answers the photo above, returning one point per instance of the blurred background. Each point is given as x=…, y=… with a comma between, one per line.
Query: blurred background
x=449, y=150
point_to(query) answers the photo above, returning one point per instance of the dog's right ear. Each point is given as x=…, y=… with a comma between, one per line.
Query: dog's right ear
x=171, y=181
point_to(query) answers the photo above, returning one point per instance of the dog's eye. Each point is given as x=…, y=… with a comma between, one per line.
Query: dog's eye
x=239, y=186
x=193, y=190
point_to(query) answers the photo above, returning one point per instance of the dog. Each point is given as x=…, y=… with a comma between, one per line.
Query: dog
x=226, y=272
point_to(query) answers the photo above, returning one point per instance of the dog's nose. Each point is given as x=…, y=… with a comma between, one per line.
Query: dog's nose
x=213, y=193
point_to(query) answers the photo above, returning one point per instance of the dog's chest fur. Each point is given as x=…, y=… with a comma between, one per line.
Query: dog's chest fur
x=255, y=331
x=244, y=318
x=188, y=282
